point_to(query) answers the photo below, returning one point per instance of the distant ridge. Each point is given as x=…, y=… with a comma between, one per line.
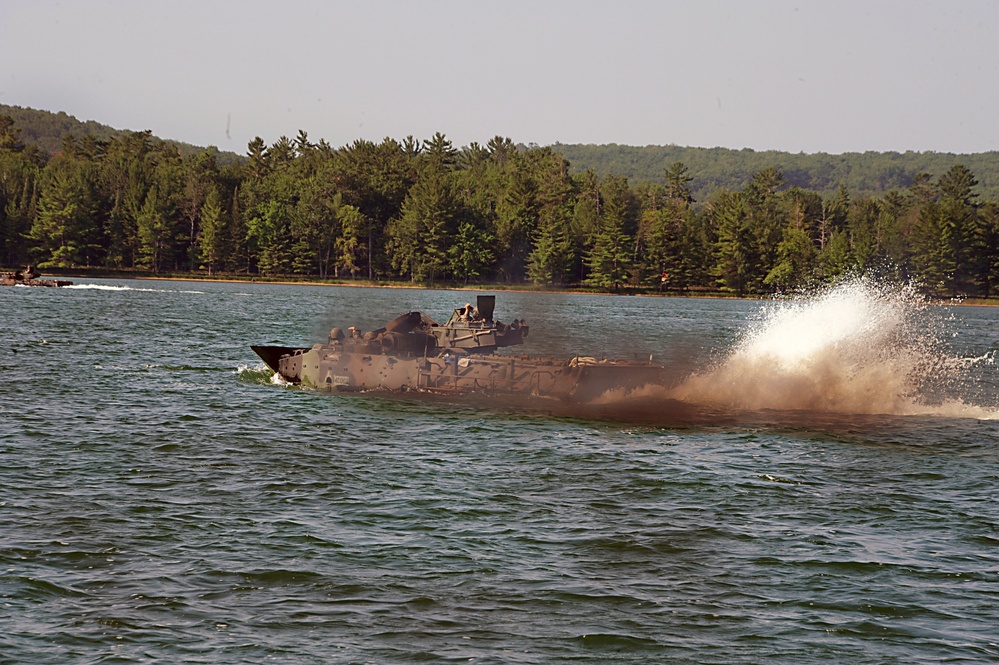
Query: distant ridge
x=864, y=174
x=47, y=129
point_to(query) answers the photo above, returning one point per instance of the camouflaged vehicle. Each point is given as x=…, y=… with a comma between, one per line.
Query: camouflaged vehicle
x=415, y=353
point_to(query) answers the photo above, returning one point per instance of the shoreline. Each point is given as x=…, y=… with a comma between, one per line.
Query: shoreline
x=105, y=274
x=648, y=293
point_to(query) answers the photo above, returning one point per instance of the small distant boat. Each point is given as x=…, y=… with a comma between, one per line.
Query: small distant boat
x=28, y=277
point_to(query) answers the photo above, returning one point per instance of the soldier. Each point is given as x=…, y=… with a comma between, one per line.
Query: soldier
x=469, y=313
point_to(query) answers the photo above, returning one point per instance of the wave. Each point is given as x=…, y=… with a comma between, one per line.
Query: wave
x=261, y=375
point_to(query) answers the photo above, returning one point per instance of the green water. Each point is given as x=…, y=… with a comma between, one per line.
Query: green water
x=162, y=501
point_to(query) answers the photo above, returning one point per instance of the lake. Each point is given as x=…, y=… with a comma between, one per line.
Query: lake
x=827, y=493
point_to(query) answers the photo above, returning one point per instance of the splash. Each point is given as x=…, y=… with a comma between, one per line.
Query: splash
x=861, y=347
x=260, y=375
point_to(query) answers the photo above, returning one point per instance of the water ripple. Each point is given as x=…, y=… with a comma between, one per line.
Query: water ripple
x=161, y=499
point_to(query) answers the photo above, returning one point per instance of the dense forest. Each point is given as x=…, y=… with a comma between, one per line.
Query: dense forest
x=425, y=211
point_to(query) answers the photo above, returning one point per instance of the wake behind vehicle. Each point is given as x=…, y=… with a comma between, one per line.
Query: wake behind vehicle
x=415, y=353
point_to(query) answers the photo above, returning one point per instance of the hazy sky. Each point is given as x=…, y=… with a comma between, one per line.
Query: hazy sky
x=835, y=76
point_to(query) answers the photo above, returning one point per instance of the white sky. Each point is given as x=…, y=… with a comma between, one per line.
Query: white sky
x=834, y=76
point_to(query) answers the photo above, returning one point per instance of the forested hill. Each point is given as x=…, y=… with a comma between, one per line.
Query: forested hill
x=422, y=210
x=864, y=174
x=712, y=169
x=47, y=130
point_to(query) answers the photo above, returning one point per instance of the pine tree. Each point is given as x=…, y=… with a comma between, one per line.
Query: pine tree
x=609, y=260
x=212, y=239
x=62, y=231
x=735, y=251
x=421, y=236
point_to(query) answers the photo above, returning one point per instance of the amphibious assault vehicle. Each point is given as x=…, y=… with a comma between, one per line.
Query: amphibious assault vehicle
x=414, y=352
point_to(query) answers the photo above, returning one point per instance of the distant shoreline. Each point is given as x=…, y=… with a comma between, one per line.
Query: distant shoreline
x=229, y=279
x=442, y=287
x=102, y=273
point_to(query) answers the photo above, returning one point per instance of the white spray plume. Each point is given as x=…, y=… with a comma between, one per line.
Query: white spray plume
x=861, y=347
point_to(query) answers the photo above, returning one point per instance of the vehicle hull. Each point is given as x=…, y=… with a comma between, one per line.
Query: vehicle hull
x=328, y=368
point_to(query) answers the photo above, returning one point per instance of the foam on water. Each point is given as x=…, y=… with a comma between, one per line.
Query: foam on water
x=861, y=347
x=115, y=287
x=98, y=287
x=260, y=374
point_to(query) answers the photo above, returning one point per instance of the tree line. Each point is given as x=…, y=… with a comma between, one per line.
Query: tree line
x=865, y=174
x=427, y=212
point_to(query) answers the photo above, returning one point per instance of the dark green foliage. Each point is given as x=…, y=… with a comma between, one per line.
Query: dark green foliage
x=675, y=245
x=470, y=253
x=987, y=260
x=610, y=260
x=554, y=250
x=19, y=175
x=65, y=230
x=428, y=212
x=737, y=264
